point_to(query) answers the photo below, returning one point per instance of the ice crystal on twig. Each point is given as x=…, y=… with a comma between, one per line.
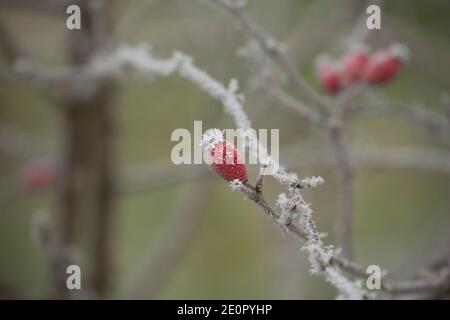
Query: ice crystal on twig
x=235, y=184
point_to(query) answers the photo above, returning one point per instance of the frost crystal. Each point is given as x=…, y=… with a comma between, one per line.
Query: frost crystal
x=311, y=182
x=235, y=184
x=211, y=137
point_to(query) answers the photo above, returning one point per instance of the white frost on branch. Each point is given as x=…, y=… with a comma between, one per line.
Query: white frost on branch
x=319, y=255
x=142, y=60
x=210, y=138
x=311, y=182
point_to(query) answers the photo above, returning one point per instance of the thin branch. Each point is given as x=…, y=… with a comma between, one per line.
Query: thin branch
x=143, y=61
x=278, y=53
x=272, y=85
x=433, y=122
x=9, y=49
x=344, y=223
x=356, y=270
x=320, y=256
x=372, y=157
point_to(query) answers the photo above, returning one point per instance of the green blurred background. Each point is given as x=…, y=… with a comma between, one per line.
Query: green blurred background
x=232, y=251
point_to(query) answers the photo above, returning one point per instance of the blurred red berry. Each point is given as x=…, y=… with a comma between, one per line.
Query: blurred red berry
x=226, y=162
x=384, y=65
x=38, y=176
x=329, y=76
x=354, y=65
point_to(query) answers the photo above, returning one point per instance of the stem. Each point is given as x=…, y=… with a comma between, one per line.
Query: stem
x=87, y=186
x=344, y=223
x=275, y=50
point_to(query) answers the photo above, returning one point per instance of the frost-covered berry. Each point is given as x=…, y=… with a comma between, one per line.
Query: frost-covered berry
x=226, y=162
x=382, y=67
x=329, y=75
x=354, y=64
x=223, y=156
x=37, y=176
x=385, y=64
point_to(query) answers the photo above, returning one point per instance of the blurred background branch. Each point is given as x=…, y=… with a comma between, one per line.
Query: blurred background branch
x=329, y=132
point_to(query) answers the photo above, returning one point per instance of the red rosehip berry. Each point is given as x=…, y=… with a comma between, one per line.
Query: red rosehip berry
x=354, y=65
x=381, y=68
x=226, y=162
x=329, y=76
x=384, y=65
x=37, y=176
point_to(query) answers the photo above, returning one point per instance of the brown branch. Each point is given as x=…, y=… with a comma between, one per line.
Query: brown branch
x=87, y=187
x=344, y=223
x=414, y=285
x=9, y=49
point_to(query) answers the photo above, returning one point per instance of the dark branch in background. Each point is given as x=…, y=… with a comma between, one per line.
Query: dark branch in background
x=57, y=255
x=87, y=183
x=344, y=223
x=8, y=46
